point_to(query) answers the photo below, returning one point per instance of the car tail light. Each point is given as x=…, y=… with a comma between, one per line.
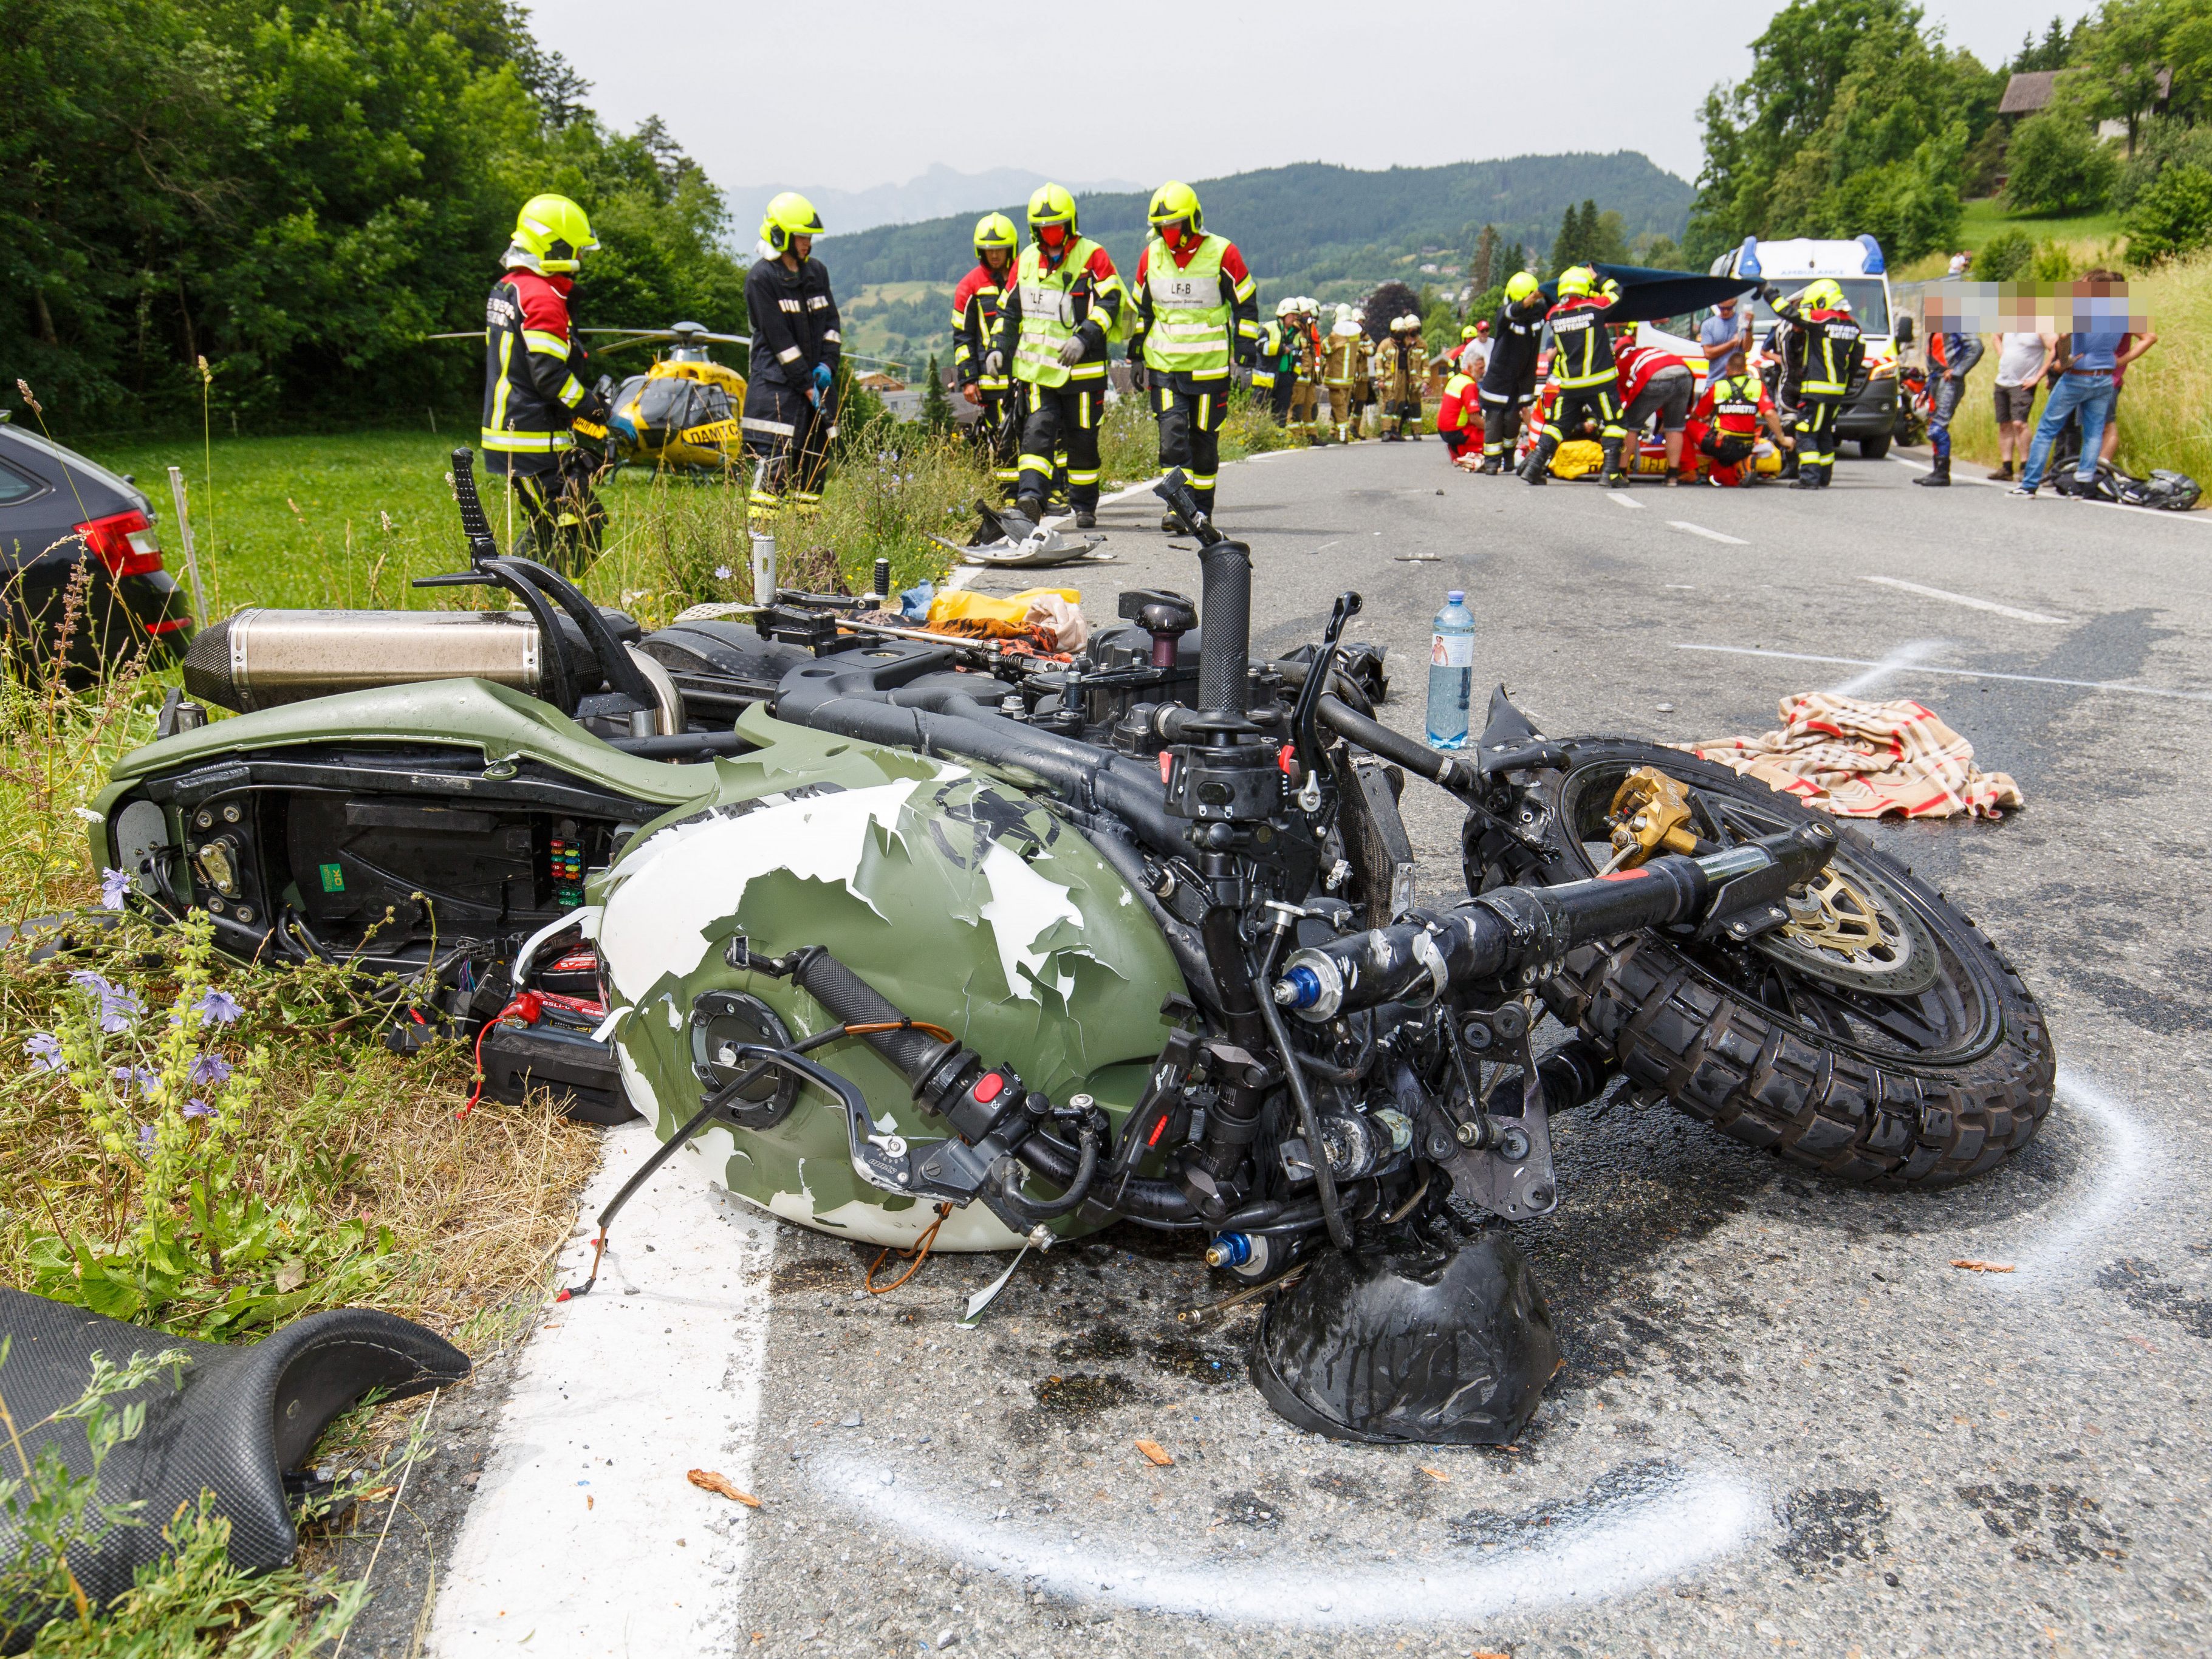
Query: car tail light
x=126, y=543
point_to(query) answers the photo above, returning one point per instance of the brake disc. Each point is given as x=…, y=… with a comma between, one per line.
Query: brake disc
x=1844, y=929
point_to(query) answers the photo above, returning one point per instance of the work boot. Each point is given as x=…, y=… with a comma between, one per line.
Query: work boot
x=1537, y=469
x=2003, y=474
x=1938, y=475
x=1789, y=467
x=1614, y=478
x=1085, y=519
x=1492, y=465
x=1021, y=519
x=1171, y=524
x=1809, y=477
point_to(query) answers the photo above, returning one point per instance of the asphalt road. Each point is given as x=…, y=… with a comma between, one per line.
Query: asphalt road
x=1786, y=1421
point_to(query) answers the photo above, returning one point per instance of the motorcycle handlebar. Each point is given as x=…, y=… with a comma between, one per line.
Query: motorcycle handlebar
x=1518, y=931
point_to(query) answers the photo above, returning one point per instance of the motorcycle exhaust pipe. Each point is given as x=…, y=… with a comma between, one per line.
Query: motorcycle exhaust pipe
x=260, y=659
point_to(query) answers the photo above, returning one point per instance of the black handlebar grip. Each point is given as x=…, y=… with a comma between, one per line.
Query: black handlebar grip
x=474, y=526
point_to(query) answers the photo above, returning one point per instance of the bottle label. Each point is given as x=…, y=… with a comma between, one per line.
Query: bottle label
x=1451, y=651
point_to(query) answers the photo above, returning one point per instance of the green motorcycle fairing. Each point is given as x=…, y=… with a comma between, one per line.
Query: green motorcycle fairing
x=960, y=898
x=957, y=895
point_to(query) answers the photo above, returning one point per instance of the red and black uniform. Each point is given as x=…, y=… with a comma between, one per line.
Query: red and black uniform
x=790, y=410
x=1724, y=425
x=1190, y=407
x=1583, y=382
x=535, y=387
x=974, y=323
x=1823, y=353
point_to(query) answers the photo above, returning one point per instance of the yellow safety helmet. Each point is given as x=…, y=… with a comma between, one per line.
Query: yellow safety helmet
x=994, y=230
x=789, y=216
x=554, y=232
x=1175, y=200
x=1051, y=205
x=1521, y=286
x=1467, y=333
x=1576, y=282
x=1827, y=294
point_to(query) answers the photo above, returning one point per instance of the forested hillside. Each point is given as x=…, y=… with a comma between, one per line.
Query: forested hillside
x=297, y=190
x=1303, y=228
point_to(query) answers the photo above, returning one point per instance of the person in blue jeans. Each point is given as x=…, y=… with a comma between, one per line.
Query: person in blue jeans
x=2086, y=388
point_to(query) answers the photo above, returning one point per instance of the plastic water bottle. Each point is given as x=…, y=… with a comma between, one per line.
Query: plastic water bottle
x=1451, y=672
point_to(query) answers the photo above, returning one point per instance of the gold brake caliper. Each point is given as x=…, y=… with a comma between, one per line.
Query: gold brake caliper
x=1650, y=814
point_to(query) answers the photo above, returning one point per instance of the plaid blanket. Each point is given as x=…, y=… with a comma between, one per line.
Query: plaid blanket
x=1866, y=760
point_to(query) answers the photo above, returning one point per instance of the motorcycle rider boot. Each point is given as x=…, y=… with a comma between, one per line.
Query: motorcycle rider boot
x=1939, y=474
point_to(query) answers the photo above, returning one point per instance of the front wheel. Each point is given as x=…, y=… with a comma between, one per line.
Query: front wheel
x=1873, y=449
x=1878, y=1036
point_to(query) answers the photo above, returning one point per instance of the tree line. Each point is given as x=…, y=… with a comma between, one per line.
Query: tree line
x=1858, y=116
x=294, y=193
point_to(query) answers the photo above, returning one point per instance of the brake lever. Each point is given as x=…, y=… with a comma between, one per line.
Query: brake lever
x=1305, y=715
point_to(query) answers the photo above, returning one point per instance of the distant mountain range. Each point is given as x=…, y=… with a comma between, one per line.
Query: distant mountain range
x=1303, y=229
x=938, y=193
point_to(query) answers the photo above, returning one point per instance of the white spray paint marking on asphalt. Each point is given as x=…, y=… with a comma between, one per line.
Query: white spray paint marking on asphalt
x=1970, y=602
x=1610, y=1542
x=1956, y=673
x=1619, y=500
x=1710, y=535
x=1904, y=657
x=616, y=1396
x=2120, y=1170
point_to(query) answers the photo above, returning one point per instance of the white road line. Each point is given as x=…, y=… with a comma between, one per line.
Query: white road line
x=572, y=1538
x=1904, y=657
x=1620, y=500
x=1710, y=535
x=1970, y=602
x=1956, y=673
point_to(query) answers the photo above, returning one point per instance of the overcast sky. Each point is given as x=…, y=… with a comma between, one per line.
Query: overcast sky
x=854, y=93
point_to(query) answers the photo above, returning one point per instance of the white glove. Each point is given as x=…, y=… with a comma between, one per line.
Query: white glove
x=994, y=362
x=1072, y=353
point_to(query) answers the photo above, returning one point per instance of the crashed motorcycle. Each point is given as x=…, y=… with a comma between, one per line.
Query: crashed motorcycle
x=911, y=935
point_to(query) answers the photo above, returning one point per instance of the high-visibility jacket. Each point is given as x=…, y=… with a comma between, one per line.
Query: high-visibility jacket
x=1824, y=351
x=1344, y=357
x=1733, y=404
x=795, y=326
x=1582, y=351
x=1044, y=308
x=534, y=374
x=1636, y=365
x=1460, y=408
x=975, y=319
x=1198, y=310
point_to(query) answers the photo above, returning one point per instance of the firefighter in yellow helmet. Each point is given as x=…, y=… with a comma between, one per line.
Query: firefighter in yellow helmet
x=791, y=408
x=1822, y=355
x=1065, y=303
x=1508, y=386
x=975, y=320
x=1275, y=376
x=1584, y=381
x=537, y=384
x=1198, y=316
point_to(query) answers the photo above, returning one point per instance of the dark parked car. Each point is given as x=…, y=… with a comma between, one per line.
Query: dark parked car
x=58, y=511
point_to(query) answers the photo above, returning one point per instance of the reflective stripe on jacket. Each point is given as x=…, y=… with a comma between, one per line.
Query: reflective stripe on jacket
x=1824, y=349
x=1044, y=309
x=1195, y=308
x=1582, y=352
x=534, y=371
x=975, y=320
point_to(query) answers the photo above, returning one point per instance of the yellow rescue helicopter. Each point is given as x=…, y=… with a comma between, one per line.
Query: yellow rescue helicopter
x=684, y=411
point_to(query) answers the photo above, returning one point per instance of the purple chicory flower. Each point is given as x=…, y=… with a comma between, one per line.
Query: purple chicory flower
x=217, y=1008
x=44, y=1050
x=721, y=572
x=114, y=887
x=209, y=1071
x=145, y=1137
x=199, y=1108
x=147, y=1081
x=85, y=980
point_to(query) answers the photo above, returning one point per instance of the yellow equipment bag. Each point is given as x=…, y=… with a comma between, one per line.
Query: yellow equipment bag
x=1576, y=457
